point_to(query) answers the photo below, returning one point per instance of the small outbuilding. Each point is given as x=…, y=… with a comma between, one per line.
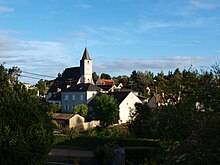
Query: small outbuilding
x=69, y=120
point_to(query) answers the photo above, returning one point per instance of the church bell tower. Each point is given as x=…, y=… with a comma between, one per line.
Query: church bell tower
x=85, y=68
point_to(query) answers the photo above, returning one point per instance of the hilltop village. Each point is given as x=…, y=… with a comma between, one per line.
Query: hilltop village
x=86, y=119
x=75, y=86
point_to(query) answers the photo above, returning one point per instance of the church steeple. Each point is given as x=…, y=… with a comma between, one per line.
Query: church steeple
x=85, y=68
x=86, y=55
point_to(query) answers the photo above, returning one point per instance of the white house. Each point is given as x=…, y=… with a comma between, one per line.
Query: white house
x=126, y=101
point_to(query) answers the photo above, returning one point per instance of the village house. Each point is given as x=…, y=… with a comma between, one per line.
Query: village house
x=75, y=86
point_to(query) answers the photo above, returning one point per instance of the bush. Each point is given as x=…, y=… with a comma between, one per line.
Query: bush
x=146, y=155
x=103, y=155
x=107, y=132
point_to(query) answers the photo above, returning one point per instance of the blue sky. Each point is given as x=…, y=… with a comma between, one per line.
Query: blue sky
x=46, y=36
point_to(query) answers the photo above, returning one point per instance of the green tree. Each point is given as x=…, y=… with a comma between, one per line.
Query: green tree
x=95, y=77
x=161, y=82
x=122, y=79
x=189, y=132
x=105, y=76
x=81, y=109
x=54, y=108
x=106, y=109
x=25, y=126
x=142, y=122
x=42, y=86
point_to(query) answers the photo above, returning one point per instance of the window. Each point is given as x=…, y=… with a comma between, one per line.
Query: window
x=66, y=108
x=73, y=97
x=66, y=97
x=81, y=97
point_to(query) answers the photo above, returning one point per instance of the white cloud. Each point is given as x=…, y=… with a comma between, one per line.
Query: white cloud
x=218, y=51
x=207, y=4
x=4, y=9
x=35, y=56
x=7, y=44
x=165, y=63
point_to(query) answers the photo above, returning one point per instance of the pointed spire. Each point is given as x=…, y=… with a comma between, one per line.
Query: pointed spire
x=86, y=55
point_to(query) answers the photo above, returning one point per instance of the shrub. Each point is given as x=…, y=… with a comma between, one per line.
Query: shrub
x=103, y=154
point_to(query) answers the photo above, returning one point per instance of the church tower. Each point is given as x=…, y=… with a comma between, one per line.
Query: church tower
x=85, y=68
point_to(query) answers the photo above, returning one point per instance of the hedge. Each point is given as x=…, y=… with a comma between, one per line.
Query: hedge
x=141, y=155
x=93, y=142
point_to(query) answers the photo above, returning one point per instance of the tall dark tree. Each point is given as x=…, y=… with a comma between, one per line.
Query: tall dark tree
x=189, y=129
x=105, y=76
x=25, y=127
x=142, y=121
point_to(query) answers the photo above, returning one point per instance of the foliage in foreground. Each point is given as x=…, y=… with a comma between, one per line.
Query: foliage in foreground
x=25, y=128
x=189, y=129
x=107, y=132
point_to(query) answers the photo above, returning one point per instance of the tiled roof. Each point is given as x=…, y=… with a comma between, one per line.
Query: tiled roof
x=105, y=82
x=62, y=116
x=82, y=88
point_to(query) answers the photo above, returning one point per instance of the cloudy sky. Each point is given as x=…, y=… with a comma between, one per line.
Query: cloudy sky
x=46, y=36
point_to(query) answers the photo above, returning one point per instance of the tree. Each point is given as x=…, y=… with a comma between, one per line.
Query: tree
x=105, y=76
x=81, y=109
x=106, y=109
x=25, y=126
x=161, y=81
x=142, y=123
x=41, y=85
x=95, y=77
x=189, y=132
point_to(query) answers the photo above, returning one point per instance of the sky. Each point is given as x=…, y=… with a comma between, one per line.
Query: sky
x=46, y=36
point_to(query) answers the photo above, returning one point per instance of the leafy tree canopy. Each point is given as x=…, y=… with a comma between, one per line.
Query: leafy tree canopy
x=105, y=76
x=81, y=109
x=106, y=109
x=25, y=127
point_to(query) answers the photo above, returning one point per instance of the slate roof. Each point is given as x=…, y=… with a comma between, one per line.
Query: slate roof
x=119, y=96
x=71, y=73
x=105, y=87
x=70, y=76
x=56, y=97
x=86, y=55
x=62, y=116
x=82, y=88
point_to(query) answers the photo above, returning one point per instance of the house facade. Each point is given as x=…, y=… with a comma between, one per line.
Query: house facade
x=77, y=94
x=126, y=101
